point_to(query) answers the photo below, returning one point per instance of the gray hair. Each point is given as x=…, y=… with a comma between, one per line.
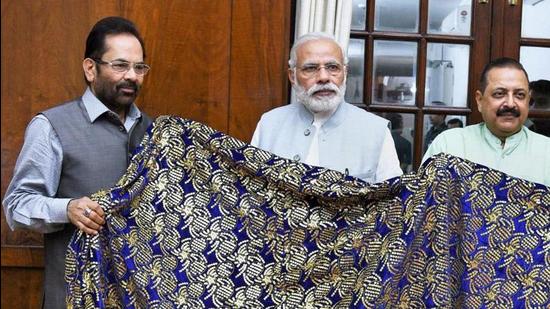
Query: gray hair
x=312, y=36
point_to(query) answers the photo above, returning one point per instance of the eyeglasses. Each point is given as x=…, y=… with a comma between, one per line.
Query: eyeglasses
x=122, y=66
x=310, y=70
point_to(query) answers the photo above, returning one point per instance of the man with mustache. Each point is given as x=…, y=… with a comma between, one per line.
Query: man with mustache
x=500, y=142
x=321, y=128
x=79, y=147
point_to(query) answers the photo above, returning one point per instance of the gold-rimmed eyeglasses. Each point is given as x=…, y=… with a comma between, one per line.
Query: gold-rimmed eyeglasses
x=122, y=66
x=311, y=70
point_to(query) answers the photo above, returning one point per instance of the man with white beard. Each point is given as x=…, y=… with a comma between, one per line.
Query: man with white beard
x=322, y=129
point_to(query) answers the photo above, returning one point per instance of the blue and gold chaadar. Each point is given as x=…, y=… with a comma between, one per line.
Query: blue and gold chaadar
x=203, y=220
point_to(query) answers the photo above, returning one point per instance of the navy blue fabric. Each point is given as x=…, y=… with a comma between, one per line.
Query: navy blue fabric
x=203, y=220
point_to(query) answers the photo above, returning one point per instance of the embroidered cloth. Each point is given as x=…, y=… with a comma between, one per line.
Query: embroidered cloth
x=203, y=220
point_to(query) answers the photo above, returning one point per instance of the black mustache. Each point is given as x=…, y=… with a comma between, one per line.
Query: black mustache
x=508, y=110
x=127, y=85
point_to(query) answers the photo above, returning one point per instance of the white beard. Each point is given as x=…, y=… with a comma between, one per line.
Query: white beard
x=323, y=104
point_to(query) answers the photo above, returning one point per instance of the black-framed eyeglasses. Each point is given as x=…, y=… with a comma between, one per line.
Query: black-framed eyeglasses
x=310, y=70
x=122, y=66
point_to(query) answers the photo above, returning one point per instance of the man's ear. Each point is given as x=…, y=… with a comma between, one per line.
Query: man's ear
x=479, y=97
x=88, y=65
x=292, y=76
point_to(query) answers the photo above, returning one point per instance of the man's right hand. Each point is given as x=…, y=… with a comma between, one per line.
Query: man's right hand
x=86, y=215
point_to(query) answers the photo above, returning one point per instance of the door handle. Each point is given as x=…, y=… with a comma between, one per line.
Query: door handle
x=513, y=2
x=483, y=1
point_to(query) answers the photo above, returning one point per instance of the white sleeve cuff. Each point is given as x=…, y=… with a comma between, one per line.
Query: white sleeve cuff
x=59, y=210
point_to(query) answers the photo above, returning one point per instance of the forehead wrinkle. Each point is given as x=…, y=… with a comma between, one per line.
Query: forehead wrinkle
x=313, y=62
x=506, y=76
x=123, y=47
x=127, y=61
x=319, y=50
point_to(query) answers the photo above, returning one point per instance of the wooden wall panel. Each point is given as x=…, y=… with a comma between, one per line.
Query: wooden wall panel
x=188, y=43
x=22, y=287
x=259, y=55
x=220, y=62
x=41, y=67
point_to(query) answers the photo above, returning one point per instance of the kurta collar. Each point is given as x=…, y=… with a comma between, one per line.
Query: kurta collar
x=332, y=122
x=510, y=144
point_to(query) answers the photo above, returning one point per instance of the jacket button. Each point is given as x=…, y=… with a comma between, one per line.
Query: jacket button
x=296, y=158
x=121, y=128
x=307, y=132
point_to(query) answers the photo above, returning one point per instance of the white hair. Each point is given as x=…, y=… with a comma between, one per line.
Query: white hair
x=312, y=36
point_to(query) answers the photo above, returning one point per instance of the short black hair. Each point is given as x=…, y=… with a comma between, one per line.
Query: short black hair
x=95, y=43
x=456, y=121
x=540, y=92
x=540, y=86
x=503, y=62
x=396, y=120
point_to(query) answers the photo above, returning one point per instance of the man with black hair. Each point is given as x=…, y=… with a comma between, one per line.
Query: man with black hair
x=540, y=99
x=79, y=147
x=438, y=125
x=540, y=94
x=500, y=142
x=402, y=145
x=455, y=123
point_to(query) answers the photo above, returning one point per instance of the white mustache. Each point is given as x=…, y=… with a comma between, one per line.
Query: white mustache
x=330, y=86
x=322, y=103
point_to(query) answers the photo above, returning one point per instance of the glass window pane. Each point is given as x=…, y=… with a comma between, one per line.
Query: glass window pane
x=536, y=61
x=402, y=131
x=356, y=71
x=534, y=19
x=447, y=74
x=539, y=125
x=449, y=17
x=394, y=73
x=434, y=124
x=396, y=15
x=359, y=15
